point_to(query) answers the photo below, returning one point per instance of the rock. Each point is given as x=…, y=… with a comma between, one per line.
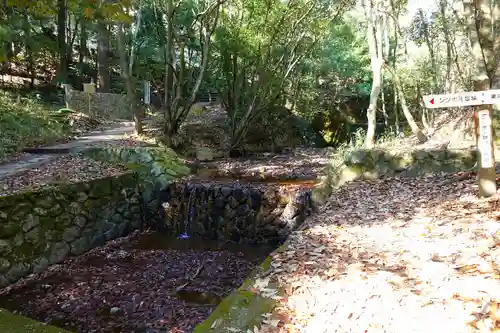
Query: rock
x=111, y=233
x=3, y=281
x=45, y=202
x=80, y=245
x=204, y=154
x=4, y=265
x=233, y=203
x=290, y=211
x=59, y=252
x=18, y=240
x=356, y=157
x=9, y=229
x=5, y=247
x=71, y=234
x=33, y=236
x=30, y=222
x=97, y=240
x=240, y=194
x=80, y=221
x=17, y=271
x=63, y=221
x=75, y=208
x=82, y=197
x=114, y=310
x=226, y=191
x=116, y=218
x=40, y=265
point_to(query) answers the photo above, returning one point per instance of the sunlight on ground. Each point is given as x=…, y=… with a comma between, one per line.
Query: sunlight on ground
x=397, y=256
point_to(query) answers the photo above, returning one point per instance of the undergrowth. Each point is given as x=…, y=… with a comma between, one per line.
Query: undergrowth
x=386, y=140
x=27, y=123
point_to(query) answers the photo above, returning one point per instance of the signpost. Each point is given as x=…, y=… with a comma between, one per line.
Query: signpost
x=470, y=98
x=484, y=130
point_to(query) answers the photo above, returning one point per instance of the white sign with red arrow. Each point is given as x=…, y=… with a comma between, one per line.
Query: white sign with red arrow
x=468, y=98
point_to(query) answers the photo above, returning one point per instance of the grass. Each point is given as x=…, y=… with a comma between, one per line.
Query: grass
x=27, y=123
x=389, y=139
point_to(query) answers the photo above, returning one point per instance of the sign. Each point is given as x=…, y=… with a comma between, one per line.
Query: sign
x=486, y=170
x=89, y=88
x=484, y=140
x=468, y=98
x=147, y=92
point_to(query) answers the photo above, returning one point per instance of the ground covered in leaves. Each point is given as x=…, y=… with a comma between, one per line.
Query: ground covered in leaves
x=299, y=163
x=61, y=170
x=141, y=283
x=393, y=255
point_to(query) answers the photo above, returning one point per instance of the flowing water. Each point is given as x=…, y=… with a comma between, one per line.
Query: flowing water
x=190, y=211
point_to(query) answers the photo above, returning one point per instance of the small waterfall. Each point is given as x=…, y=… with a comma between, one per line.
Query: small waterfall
x=189, y=212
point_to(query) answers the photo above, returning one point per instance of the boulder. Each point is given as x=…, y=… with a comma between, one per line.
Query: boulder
x=204, y=154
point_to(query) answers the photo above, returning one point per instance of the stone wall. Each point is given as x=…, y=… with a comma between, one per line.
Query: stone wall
x=377, y=163
x=156, y=167
x=233, y=212
x=106, y=105
x=44, y=227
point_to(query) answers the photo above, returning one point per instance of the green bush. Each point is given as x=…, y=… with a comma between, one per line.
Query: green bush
x=26, y=123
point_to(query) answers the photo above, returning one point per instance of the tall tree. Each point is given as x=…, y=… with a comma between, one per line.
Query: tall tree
x=103, y=56
x=480, y=18
x=376, y=57
x=62, y=19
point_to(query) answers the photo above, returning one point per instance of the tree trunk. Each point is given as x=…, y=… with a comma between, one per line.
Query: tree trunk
x=128, y=80
x=8, y=45
x=376, y=64
x=102, y=56
x=449, y=45
x=480, y=20
x=404, y=107
x=169, y=129
x=82, y=53
x=62, y=17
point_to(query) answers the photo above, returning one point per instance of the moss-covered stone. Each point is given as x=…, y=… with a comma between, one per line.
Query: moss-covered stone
x=243, y=308
x=376, y=163
x=42, y=233
x=11, y=323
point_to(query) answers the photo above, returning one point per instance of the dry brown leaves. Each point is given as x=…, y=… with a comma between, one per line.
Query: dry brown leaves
x=62, y=170
x=396, y=255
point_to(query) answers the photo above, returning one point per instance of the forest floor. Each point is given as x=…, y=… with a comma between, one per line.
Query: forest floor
x=144, y=282
x=393, y=255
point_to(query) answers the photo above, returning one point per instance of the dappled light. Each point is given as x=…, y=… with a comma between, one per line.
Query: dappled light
x=249, y=166
x=411, y=256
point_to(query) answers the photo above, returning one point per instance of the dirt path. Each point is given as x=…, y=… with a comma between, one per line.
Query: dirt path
x=26, y=161
x=398, y=256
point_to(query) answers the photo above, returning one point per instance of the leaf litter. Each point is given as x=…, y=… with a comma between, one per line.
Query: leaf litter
x=395, y=255
x=62, y=170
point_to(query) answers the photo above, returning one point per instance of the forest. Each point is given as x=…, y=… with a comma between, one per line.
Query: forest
x=315, y=192
x=341, y=65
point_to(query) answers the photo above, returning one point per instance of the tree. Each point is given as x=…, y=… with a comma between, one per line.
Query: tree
x=481, y=19
x=373, y=36
x=260, y=48
x=188, y=30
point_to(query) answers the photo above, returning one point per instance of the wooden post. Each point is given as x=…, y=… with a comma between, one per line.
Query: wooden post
x=486, y=170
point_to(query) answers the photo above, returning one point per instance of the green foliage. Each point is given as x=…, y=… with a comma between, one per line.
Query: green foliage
x=339, y=70
x=26, y=124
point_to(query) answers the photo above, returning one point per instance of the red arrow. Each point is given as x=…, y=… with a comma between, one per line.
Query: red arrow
x=431, y=101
